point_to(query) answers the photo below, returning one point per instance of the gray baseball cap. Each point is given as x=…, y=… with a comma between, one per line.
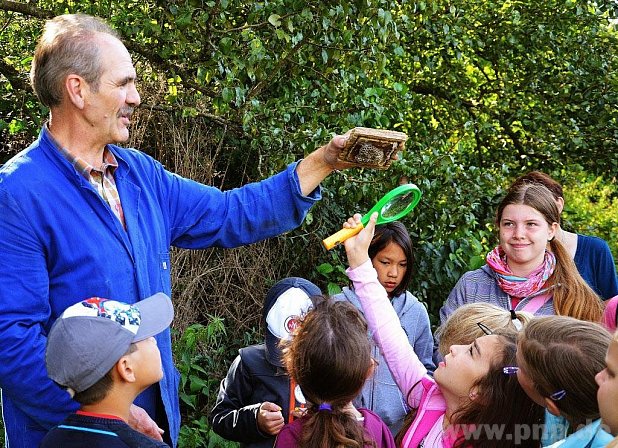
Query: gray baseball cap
x=91, y=336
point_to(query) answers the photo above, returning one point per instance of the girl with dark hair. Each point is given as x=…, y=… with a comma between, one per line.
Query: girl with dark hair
x=329, y=357
x=558, y=359
x=391, y=255
x=591, y=254
x=521, y=273
x=472, y=400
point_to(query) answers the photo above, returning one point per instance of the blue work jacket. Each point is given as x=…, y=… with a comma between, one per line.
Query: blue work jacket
x=61, y=243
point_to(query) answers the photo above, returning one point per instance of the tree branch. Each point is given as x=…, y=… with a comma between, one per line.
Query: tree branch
x=26, y=9
x=169, y=109
x=152, y=57
x=16, y=81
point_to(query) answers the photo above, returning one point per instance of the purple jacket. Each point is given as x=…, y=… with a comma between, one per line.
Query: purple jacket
x=375, y=427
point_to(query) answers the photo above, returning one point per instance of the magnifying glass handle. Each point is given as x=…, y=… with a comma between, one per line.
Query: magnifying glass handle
x=341, y=236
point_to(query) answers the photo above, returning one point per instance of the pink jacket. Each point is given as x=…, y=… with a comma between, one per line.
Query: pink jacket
x=403, y=363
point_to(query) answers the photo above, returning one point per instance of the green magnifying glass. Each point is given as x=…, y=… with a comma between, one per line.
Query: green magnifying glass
x=394, y=205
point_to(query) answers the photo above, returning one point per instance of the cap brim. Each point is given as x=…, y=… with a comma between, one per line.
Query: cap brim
x=156, y=313
x=273, y=352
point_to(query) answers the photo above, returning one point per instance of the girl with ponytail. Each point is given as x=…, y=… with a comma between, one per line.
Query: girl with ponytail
x=330, y=359
x=530, y=270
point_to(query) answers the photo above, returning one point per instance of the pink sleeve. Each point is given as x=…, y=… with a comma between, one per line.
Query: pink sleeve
x=609, y=315
x=387, y=333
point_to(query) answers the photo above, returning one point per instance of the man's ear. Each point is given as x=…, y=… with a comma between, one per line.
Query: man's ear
x=551, y=407
x=76, y=88
x=124, y=369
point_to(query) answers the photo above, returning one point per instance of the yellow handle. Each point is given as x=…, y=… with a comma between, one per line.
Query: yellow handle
x=341, y=236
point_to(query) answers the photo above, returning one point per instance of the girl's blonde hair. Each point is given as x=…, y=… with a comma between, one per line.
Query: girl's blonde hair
x=572, y=295
x=462, y=327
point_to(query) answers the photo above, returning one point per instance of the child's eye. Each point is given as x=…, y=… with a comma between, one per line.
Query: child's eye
x=470, y=350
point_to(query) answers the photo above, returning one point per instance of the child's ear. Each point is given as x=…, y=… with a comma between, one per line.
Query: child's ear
x=124, y=369
x=551, y=407
x=372, y=368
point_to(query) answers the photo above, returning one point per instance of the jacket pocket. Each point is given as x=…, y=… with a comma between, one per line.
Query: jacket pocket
x=165, y=272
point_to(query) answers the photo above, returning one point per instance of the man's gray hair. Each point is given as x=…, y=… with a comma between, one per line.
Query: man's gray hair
x=66, y=47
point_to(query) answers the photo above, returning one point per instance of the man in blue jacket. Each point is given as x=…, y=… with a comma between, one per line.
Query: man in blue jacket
x=82, y=217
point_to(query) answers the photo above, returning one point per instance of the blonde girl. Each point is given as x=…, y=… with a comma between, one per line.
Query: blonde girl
x=472, y=320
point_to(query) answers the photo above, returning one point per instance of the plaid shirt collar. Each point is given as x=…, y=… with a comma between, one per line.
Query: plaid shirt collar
x=81, y=166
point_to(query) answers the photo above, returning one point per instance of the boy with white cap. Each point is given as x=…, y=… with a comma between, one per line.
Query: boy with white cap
x=104, y=353
x=257, y=397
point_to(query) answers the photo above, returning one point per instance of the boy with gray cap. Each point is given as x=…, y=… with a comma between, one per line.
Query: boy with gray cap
x=104, y=353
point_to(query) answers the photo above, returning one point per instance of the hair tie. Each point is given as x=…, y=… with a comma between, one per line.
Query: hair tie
x=510, y=370
x=557, y=396
x=516, y=323
x=325, y=407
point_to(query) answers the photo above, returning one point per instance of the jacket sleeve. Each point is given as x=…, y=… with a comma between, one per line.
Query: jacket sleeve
x=387, y=332
x=24, y=312
x=203, y=216
x=607, y=280
x=455, y=299
x=233, y=417
x=423, y=339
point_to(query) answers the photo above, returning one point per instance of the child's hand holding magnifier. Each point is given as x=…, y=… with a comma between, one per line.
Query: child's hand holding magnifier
x=357, y=246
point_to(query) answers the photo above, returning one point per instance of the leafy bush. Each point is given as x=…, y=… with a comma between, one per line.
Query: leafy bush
x=202, y=355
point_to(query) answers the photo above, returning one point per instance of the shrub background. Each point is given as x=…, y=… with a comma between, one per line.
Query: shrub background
x=233, y=91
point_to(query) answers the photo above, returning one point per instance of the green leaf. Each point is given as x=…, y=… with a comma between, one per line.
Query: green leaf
x=274, y=20
x=325, y=268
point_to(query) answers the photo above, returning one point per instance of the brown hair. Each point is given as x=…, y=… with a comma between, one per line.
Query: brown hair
x=500, y=402
x=330, y=357
x=572, y=296
x=394, y=232
x=462, y=328
x=99, y=390
x=67, y=46
x=563, y=353
x=537, y=177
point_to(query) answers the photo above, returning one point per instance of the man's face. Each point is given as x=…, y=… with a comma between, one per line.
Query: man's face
x=108, y=110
